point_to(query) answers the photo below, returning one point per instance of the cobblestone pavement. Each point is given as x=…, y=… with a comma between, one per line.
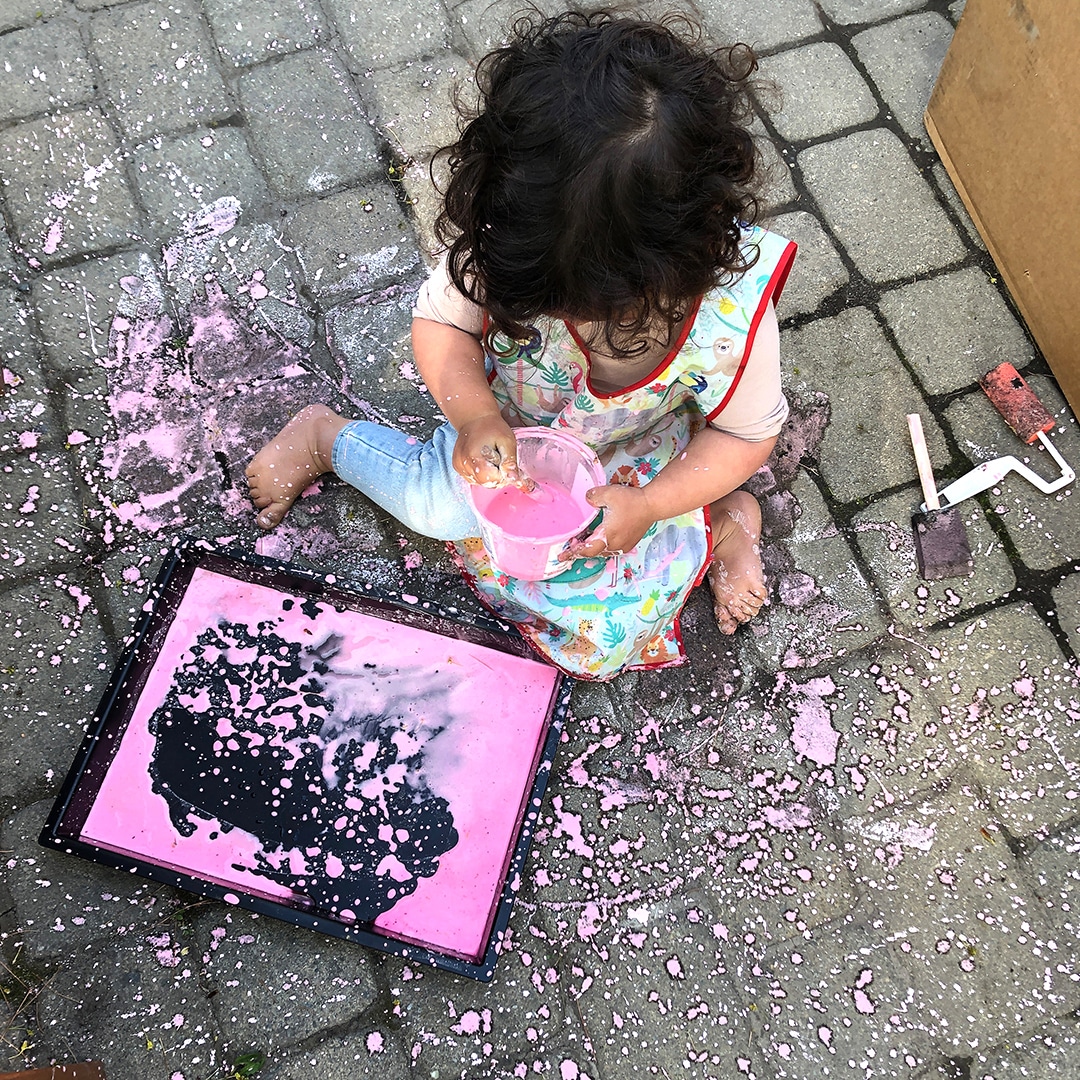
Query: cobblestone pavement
x=842, y=844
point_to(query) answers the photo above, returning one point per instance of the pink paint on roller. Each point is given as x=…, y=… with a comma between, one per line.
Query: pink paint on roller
x=525, y=534
x=1016, y=401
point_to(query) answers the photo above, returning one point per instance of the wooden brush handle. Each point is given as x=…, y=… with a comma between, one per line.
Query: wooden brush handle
x=922, y=461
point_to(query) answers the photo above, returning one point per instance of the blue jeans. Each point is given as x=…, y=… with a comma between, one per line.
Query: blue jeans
x=415, y=481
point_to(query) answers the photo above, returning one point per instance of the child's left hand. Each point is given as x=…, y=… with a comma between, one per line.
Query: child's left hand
x=627, y=518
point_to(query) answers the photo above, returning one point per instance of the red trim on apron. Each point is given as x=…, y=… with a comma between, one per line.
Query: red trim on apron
x=771, y=293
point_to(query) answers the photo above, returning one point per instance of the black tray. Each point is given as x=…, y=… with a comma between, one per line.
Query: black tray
x=357, y=763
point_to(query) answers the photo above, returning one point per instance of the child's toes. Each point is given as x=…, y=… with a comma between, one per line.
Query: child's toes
x=725, y=620
x=271, y=513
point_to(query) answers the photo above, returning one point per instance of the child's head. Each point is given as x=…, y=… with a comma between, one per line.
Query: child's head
x=605, y=175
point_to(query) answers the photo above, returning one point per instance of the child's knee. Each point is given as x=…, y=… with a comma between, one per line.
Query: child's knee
x=441, y=517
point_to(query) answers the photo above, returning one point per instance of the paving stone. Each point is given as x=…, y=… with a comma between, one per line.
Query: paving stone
x=248, y=31
x=39, y=513
x=374, y=346
x=256, y=267
x=382, y=36
x=87, y=417
x=64, y=186
x=986, y=966
x=879, y=206
x=818, y=272
x=180, y=177
x=903, y=58
x=884, y=535
x=1054, y=873
x=414, y=103
x=136, y=482
x=866, y=446
x=126, y=575
x=18, y=13
x=455, y=1027
x=822, y=91
x=847, y=12
x=895, y=743
x=279, y=984
x=424, y=204
x=660, y=998
x=842, y=997
x=779, y=872
x=1052, y=1051
x=159, y=68
x=43, y=67
x=135, y=1007
x=1041, y=526
x=95, y=5
x=954, y=328
x=75, y=308
x=761, y=28
x=27, y=418
x=353, y=242
x=307, y=123
x=28, y=421
x=54, y=660
x=484, y=25
x=9, y=274
x=416, y=114
x=778, y=184
x=726, y=811
x=63, y=902
x=1067, y=604
x=343, y=1055
x=1010, y=707
x=821, y=605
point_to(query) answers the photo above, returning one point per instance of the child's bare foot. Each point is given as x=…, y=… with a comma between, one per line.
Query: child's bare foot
x=298, y=455
x=736, y=577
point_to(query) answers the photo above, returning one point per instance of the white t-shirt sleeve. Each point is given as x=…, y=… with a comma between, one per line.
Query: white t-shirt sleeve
x=440, y=301
x=757, y=409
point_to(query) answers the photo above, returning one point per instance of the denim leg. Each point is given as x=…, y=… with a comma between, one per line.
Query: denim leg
x=415, y=481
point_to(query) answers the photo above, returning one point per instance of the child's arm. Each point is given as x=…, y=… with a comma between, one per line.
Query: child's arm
x=713, y=464
x=451, y=363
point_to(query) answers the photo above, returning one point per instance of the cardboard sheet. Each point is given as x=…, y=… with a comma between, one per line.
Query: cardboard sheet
x=1003, y=117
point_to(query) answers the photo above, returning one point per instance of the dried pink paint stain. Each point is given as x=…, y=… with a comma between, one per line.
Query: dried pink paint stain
x=183, y=404
x=812, y=733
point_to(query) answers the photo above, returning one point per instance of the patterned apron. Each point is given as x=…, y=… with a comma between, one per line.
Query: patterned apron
x=603, y=616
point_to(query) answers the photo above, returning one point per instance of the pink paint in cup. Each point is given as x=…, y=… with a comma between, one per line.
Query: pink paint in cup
x=526, y=532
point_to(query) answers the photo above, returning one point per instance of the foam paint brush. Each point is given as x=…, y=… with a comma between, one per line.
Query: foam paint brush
x=941, y=541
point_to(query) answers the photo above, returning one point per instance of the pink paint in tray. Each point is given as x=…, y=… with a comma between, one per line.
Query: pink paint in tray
x=367, y=769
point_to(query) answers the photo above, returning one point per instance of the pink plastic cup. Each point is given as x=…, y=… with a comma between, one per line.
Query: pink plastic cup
x=564, y=468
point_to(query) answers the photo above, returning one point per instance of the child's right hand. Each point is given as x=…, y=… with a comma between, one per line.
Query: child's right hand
x=486, y=451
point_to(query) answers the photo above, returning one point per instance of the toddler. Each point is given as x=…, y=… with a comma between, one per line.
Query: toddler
x=601, y=275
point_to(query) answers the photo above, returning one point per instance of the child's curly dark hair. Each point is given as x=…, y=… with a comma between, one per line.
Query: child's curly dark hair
x=603, y=177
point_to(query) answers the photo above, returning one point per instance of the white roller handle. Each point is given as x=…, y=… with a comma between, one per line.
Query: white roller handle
x=922, y=461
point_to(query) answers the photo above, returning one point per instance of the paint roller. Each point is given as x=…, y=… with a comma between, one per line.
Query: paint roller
x=1010, y=394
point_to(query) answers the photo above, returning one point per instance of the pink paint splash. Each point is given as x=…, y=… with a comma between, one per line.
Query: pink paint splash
x=54, y=236
x=190, y=402
x=812, y=733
